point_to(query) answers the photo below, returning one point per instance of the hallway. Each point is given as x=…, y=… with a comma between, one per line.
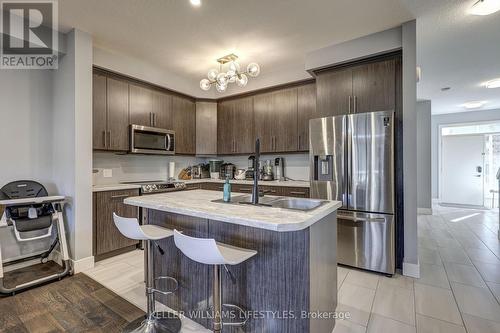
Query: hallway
x=459, y=260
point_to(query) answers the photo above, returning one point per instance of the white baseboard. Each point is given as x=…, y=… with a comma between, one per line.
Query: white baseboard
x=411, y=270
x=424, y=211
x=82, y=264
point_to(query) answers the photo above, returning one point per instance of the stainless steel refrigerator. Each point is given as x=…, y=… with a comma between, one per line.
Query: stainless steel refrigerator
x=352, y=161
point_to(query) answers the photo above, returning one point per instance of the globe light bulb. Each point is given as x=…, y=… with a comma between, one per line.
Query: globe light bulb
x=212, y=74
x=231, y=76
x=242, y=80
x=234, y=66
x=222, y=79
x=253, y=69
x=220, y=87
x=205, y=84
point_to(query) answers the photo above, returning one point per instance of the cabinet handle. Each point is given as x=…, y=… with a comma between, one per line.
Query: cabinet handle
x=300, y=143
x=297, y=193
x=355, y=104
x=350, y=101
x=109, y=139
x=154, y=119
x=120, y=196
x=105, y=139
x=245, y=190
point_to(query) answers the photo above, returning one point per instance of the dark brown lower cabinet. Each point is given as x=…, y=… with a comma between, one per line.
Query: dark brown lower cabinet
x=108, y=241
x=300, y=192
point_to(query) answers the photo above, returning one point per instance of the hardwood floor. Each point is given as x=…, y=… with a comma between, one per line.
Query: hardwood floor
x=74, y=304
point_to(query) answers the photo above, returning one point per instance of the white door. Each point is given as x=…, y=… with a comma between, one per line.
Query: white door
x=462, y=167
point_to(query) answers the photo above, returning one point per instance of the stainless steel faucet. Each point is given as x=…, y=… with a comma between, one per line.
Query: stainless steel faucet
x=256, y=171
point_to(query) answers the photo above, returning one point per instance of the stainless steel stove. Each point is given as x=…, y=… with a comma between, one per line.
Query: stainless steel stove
x=154, y=187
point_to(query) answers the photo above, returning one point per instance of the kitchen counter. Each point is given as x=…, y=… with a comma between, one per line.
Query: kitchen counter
x=296, y=258
x=198, y=203
x=114, y=187
x=288, y=183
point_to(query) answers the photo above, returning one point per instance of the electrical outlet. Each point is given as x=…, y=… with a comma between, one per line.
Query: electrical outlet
x=107, y=173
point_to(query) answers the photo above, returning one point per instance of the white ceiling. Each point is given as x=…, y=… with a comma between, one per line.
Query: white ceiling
x=454, y=49
x=186, y=41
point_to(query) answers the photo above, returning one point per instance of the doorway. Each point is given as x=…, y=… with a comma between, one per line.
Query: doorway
x=469, y=161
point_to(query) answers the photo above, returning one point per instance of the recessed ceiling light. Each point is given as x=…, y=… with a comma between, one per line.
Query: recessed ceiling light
x=485, y=7
x=493, y=84
x=474, y=105
x=196, y=3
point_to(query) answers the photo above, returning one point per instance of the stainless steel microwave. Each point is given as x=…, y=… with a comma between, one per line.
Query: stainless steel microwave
x=151, y=140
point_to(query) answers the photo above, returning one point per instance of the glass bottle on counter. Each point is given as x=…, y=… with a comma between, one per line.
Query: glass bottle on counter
x=227, y=191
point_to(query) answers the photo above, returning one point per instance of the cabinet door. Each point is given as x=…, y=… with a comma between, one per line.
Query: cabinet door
x=118, y=115
x=306, y=110
x=141, y=106
x=99, y=139
x=162, y=110
x=263, y=121
x=374, y=86
x=334, y=92
x=225, y=127
x=184, y=125
x=108, y=238
x=284, y=125
x=243, y=127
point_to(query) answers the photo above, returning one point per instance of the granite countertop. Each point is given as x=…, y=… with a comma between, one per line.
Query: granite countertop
x=288, y=183
x=198, y=203
x=114, y=187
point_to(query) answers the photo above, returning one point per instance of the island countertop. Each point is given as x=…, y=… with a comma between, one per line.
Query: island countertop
x=198, y=203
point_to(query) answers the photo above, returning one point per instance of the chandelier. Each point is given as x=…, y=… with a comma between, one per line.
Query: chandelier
x=221, y=79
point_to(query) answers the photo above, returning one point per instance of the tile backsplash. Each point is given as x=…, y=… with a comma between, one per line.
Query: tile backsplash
x=126, y=167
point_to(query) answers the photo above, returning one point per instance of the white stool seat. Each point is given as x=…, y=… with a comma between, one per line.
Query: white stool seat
x=130, y=228
x=208, y=251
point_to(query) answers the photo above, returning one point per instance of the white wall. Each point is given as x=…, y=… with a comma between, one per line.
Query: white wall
x=448, y=119
x=26, y=141
x=26, y=126
x=129, y=168
x=367, y=46
x=296, y=165
x=424, y=178
x=72, y=140
x=410, y=262
x=138, y=68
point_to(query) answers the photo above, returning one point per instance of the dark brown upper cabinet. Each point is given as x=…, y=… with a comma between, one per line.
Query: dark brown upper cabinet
x=184, y=125
x=367, y=87
x=374, y=86
x=99, y=113
x=118, y=115
x=162, y=110
x=334, y=92
x=110, y=113
x=235, y=126
x=306, y=110
x=275, y=119
x=141, y=106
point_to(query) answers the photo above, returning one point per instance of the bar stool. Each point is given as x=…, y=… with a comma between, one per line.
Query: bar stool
x=209, y=252
x=153, y=321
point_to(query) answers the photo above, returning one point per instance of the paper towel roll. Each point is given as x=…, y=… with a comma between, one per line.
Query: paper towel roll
x=171, y=170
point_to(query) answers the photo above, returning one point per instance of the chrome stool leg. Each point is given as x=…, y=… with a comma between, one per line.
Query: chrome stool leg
x=153, y=321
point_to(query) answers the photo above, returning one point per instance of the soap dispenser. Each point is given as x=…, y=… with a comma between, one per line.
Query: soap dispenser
x=227, y=191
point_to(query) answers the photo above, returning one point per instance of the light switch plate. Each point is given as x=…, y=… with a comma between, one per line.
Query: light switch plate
x=107, y=173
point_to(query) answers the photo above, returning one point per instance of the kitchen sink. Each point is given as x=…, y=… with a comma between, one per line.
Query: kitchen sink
x=274, y=202
x=297, y=204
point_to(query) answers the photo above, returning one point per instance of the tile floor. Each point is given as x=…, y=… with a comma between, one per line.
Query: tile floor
x=459, y=288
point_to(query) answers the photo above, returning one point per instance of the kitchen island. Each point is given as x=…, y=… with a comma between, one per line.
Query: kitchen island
x=285, y=288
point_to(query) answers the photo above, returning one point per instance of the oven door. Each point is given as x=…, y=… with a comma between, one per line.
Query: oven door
x=151, y=140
